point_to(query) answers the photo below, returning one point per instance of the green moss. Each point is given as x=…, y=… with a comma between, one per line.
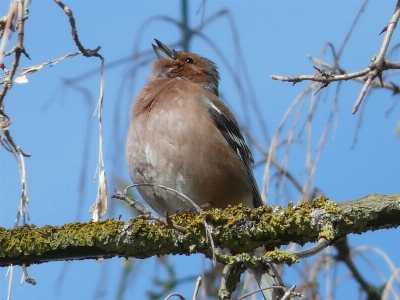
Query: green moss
x=239, y=229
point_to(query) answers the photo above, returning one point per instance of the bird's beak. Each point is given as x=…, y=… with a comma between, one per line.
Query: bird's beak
x=163, y=52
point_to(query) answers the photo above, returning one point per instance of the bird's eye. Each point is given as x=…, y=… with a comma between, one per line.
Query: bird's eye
x=189, y=60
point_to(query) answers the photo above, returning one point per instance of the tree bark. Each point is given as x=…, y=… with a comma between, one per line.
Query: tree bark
x=238, y=229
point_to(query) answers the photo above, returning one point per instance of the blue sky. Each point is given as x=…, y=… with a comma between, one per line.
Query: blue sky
x=53, y=121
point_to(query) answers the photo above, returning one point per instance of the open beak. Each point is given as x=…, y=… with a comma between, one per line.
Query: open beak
x=163, y=52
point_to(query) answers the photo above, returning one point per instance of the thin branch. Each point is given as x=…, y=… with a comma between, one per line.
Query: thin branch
x=75, y=37
x=344, y=43
x=338, y=70
x=26, y=275
x=362, y=93
x=18, y=49
x=322, y=78
x=99, y=208
x=321, y=245
x=344, y=255
x=279, y=167
x=375, y=69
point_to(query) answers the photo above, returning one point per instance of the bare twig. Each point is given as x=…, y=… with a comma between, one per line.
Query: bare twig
x=84, y=51
x=380, y=64
x=183, y=198
x=197, y=287
x=101, y=198
x=6, y=140
x=389, y=285
x=321, y=245
x=99, y=208
x=338, y=70
x=281, y=170
x=375, y=69
x=145, y=213
x=346, y=39
x=6, y=29
x=290, y=293
x=344, y=255
x=9, y=273
x=18, y=49
x=321, y=78
x=27, y=278
x=176, y=295
x=21, y=78
x=23, y=206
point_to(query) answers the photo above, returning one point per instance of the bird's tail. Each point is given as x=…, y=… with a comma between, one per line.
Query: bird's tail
x=269, y=282
x=268, y=279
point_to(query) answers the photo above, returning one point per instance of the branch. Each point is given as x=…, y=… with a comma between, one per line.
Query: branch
x=18, y=49
x=343, y=254
x=74, y=32
x=236, y=228
x=374, y=70
x=375, y=84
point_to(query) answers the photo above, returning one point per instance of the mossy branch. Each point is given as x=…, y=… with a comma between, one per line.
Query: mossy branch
x=236, y=228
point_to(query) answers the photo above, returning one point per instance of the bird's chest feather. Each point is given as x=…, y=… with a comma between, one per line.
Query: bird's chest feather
x=173, y=141
x=166, y=136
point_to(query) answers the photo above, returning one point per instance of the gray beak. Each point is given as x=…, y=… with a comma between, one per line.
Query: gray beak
x=163, y=52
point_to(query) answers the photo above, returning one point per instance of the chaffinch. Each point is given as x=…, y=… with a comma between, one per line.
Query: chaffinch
x=183, y=136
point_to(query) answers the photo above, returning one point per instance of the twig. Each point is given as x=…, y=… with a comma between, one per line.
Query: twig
x=9, y=273
x=145, y=213
x=343, y=255
x=18, y=49
x=197, y=287
x=344, y=43
x=175, y=294
x=278, y=166
x=289, y=293
x=230, y=278
x=6, y=29
x=379, y=64
x=362, y=93
x=101, y=198
x=100, y=169
x=75, y=37
x=27, y=278
x=321, y=245
x=374, y=70
x=184, y=198
x=7, y=140
x=323, y=79
x=23, y=206
x=338, y=70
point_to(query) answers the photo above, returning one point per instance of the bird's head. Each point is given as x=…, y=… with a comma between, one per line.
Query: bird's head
x=185, y=65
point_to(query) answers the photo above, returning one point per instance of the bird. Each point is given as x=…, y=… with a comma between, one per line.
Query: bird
x=182, y=137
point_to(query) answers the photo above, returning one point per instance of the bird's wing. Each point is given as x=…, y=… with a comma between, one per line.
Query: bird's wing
x=229, y=127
